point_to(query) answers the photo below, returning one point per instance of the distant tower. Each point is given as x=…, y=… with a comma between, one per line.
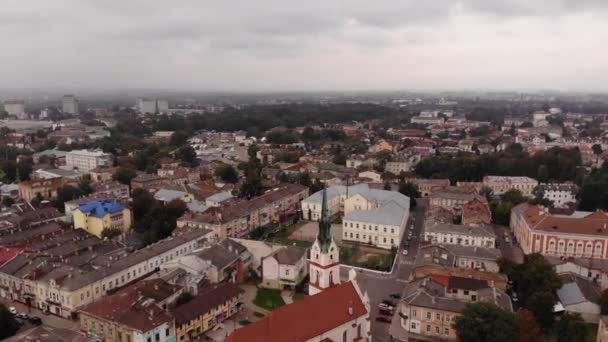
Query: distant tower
x=325, y=255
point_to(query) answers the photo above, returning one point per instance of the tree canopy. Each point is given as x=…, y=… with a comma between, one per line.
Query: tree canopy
x=486, y=322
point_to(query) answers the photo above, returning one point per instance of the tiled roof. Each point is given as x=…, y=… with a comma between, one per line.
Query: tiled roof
x=595, y=223
x=205, y=301
x=306, y=318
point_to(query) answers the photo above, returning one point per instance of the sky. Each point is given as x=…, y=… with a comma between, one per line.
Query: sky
x=278, y=45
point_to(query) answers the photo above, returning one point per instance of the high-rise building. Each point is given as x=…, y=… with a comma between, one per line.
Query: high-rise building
x=15, y=108
x=69, y=104
x=152, y=106
x=162, y=106
x=85, y=160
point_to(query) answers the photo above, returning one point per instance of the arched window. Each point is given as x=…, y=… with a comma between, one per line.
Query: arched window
x=579, y=248
x=589, y=249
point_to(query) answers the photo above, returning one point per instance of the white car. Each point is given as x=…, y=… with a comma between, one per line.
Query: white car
x=405, y=252
x=12, y=310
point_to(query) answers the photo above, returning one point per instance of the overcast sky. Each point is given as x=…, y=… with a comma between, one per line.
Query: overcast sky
x=257, y=45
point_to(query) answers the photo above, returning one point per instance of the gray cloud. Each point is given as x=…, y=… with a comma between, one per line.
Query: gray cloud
x=307, y=45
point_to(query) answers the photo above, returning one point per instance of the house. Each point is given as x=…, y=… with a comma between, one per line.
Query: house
x=111, y=189
x=595, y=270
x=430, y=306
x=453, y=197
x=501, y=184
x=380, y=146
x=426, y=186
x=581, y=234
x=102, y=174
x=135, y=313
x=44, y=188
x=214, y=264
x=578, y=295
x=97, y=216
x=286, y=267
x=339, y=313
x=373, y=176
x=145, y=181
x=205, y=311
x=439, y=227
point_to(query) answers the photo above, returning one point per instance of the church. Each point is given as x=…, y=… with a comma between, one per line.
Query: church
x=334, y=311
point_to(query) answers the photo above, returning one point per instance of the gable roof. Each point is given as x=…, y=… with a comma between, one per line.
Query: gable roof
x=306, y=318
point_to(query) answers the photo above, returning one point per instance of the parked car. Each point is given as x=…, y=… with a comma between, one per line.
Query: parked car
x=385, y=312
x=21, y=315
x=395, y=295
x=383, y=306
x=383, y=319
x=12, y=310
x=389, y=303
x=405, y=252
x=19, y=321
x=35, y=320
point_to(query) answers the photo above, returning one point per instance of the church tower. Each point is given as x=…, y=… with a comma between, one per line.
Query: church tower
x=324, y=265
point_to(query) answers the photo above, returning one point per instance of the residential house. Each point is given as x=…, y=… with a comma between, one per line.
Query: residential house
x=579, y=295
x=286, y=267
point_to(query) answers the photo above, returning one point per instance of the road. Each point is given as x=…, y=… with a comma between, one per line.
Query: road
x=380, y=285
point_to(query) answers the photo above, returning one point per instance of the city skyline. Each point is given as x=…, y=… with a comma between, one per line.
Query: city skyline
x=245, y=47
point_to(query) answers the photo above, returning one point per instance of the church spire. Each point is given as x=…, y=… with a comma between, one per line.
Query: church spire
x=324, y=225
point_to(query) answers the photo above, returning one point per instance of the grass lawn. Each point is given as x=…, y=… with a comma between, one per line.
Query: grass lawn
x=244, y=322
x=268, y=299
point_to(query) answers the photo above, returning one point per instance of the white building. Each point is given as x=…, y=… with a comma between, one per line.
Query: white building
x=15, y=108
x=560, y=194
x=69, y=104
x=145, y=105
x=162, y=106
x=85, y=160
x=286, y=267
x=502, y=184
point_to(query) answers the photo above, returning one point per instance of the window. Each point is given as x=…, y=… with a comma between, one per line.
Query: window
x=157, y=337
x=437, y=330
x=167, y=332
x=446, y=331
x=428, y=315
x=466, y=292
x=413, y=325
x=345, y=336
x=438, y=316
x=428, y=328
x=149, y=339
x=447, y=317
x=414, y=313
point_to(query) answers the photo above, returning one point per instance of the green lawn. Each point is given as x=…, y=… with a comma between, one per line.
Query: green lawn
x=268, y=299
x=244, y=322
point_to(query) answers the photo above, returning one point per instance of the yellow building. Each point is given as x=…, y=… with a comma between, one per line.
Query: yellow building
x=95, y=216
x=208, y=309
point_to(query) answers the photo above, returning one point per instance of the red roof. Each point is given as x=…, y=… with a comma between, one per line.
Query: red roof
x=7, y=253
x=305, y=319
x=441, y=279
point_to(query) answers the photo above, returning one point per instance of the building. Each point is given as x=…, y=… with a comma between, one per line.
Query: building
x=285, y=268
x=146, y=181
x=97, y=216
x=69, y=104
x=602, y=330
x=111, y=189
x=430, y=306
x=459, y=256
x=85, y=160
x=476, y=212
x=581, y=234
x=15, y=108
x=402, y=163
x=42, y=188
x=162, y=106
x=324, y=264
x=560, y=194
x=206, y=310
x=439, y=227
x=102, y=174
x=426, y=186
x=135, y=313
x=579, y=295
x=453, y=197
x=145, y=105
x=595, y=270
x=501, y=184
x=339, y=313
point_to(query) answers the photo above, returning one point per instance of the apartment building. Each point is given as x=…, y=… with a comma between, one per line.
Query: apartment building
x=87, y=160
x=501, y=184
x=61, y=288
x=430, y=306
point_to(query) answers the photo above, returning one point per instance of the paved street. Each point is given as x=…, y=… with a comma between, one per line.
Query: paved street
x=380, y=285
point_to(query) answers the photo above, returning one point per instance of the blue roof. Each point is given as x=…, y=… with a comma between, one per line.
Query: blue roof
x=100, y=208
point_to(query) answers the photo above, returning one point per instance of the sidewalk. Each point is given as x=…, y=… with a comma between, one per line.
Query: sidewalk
x=396, y=331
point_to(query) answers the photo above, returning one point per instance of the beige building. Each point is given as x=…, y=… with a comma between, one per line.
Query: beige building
x=501, y=184
x=85, y=160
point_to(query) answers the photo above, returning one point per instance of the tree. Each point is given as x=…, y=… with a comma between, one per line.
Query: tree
x=542, y=174
x=410, y=190
x=109, y=233
x=535, y=274
x=183, y=298
x=571, y=327
x=25, y=167
x=143, y=202
x=227, y=173
x=541, y=304
x=187, y=155
x=304, y=179
x=528, y=328
x=84, y=185
x=513, y=196
x=597, y=149
x=501, y=212
x=604, y=302
x=485, y=322
x=64, y=194
x=8, y=324
x=178, y=138
x=124, y=175
x=387, y=186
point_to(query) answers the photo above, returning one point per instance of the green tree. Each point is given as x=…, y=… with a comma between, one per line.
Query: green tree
x=542, y=175
x=124, y=175
x=486, y=322
x=571, y=327
x=227, y=173
x=143, y=202
x=541, y=304
x=178, y=138
x=84, y=185
x=535, y=274
x=25, y=167
x=64, y=194
x=109, y=233
x=8, y=324
x=597, y=149
x=528, y=327
x=501, y=212
x=410, y=190
x=8, y=201
x=604, y=302
x=187, y=156
x=304, y=179
x=513, y=196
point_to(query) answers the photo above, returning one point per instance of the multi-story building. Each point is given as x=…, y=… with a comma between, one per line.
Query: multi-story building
x=459, y=256
x=63, y=288
x=501, y=184
x=581, y=234
x=561, y=194
x=145, y=105
x=440, y=227
x=430, y=306
x=205, y=311
x=286, y=267
x=402, y=163
x=102, y=174
x=453, y=197
x=146, y=181
x=85, y=160
x=15, y=108
x=97, y=216
x=135, y=313
x=69, y=104
x=426, y=186
x=111, y=189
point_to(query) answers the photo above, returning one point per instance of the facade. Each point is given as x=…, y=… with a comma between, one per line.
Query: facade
x=595, y=270
x=430, y=306
x=339, y=313
x=426, y=186
x=69, y=104
x=439, y=227
x=502, y=184
x=145, y=105
x=135, y=313
x=324, y=264
x=85, y=160
x=452, y=197
x=582, y=234
x=102, y=174
x=457, y=256
x=561, y=194
x=111, y=189
x=96, y=216
x=15, y=108
x=44, y=188
x=206, y=310
x=286, y=267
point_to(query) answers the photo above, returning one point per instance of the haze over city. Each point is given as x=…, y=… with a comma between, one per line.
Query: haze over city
x=314, y=45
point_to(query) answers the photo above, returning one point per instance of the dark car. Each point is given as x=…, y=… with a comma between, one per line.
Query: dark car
x=35, y=320
x=385, y=312
x=395, y=296
x=383, y=319
x=19, y=321
x=388, y=302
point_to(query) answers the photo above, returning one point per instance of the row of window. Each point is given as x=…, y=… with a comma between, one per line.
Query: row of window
x=366, y=227
x=366, y=238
